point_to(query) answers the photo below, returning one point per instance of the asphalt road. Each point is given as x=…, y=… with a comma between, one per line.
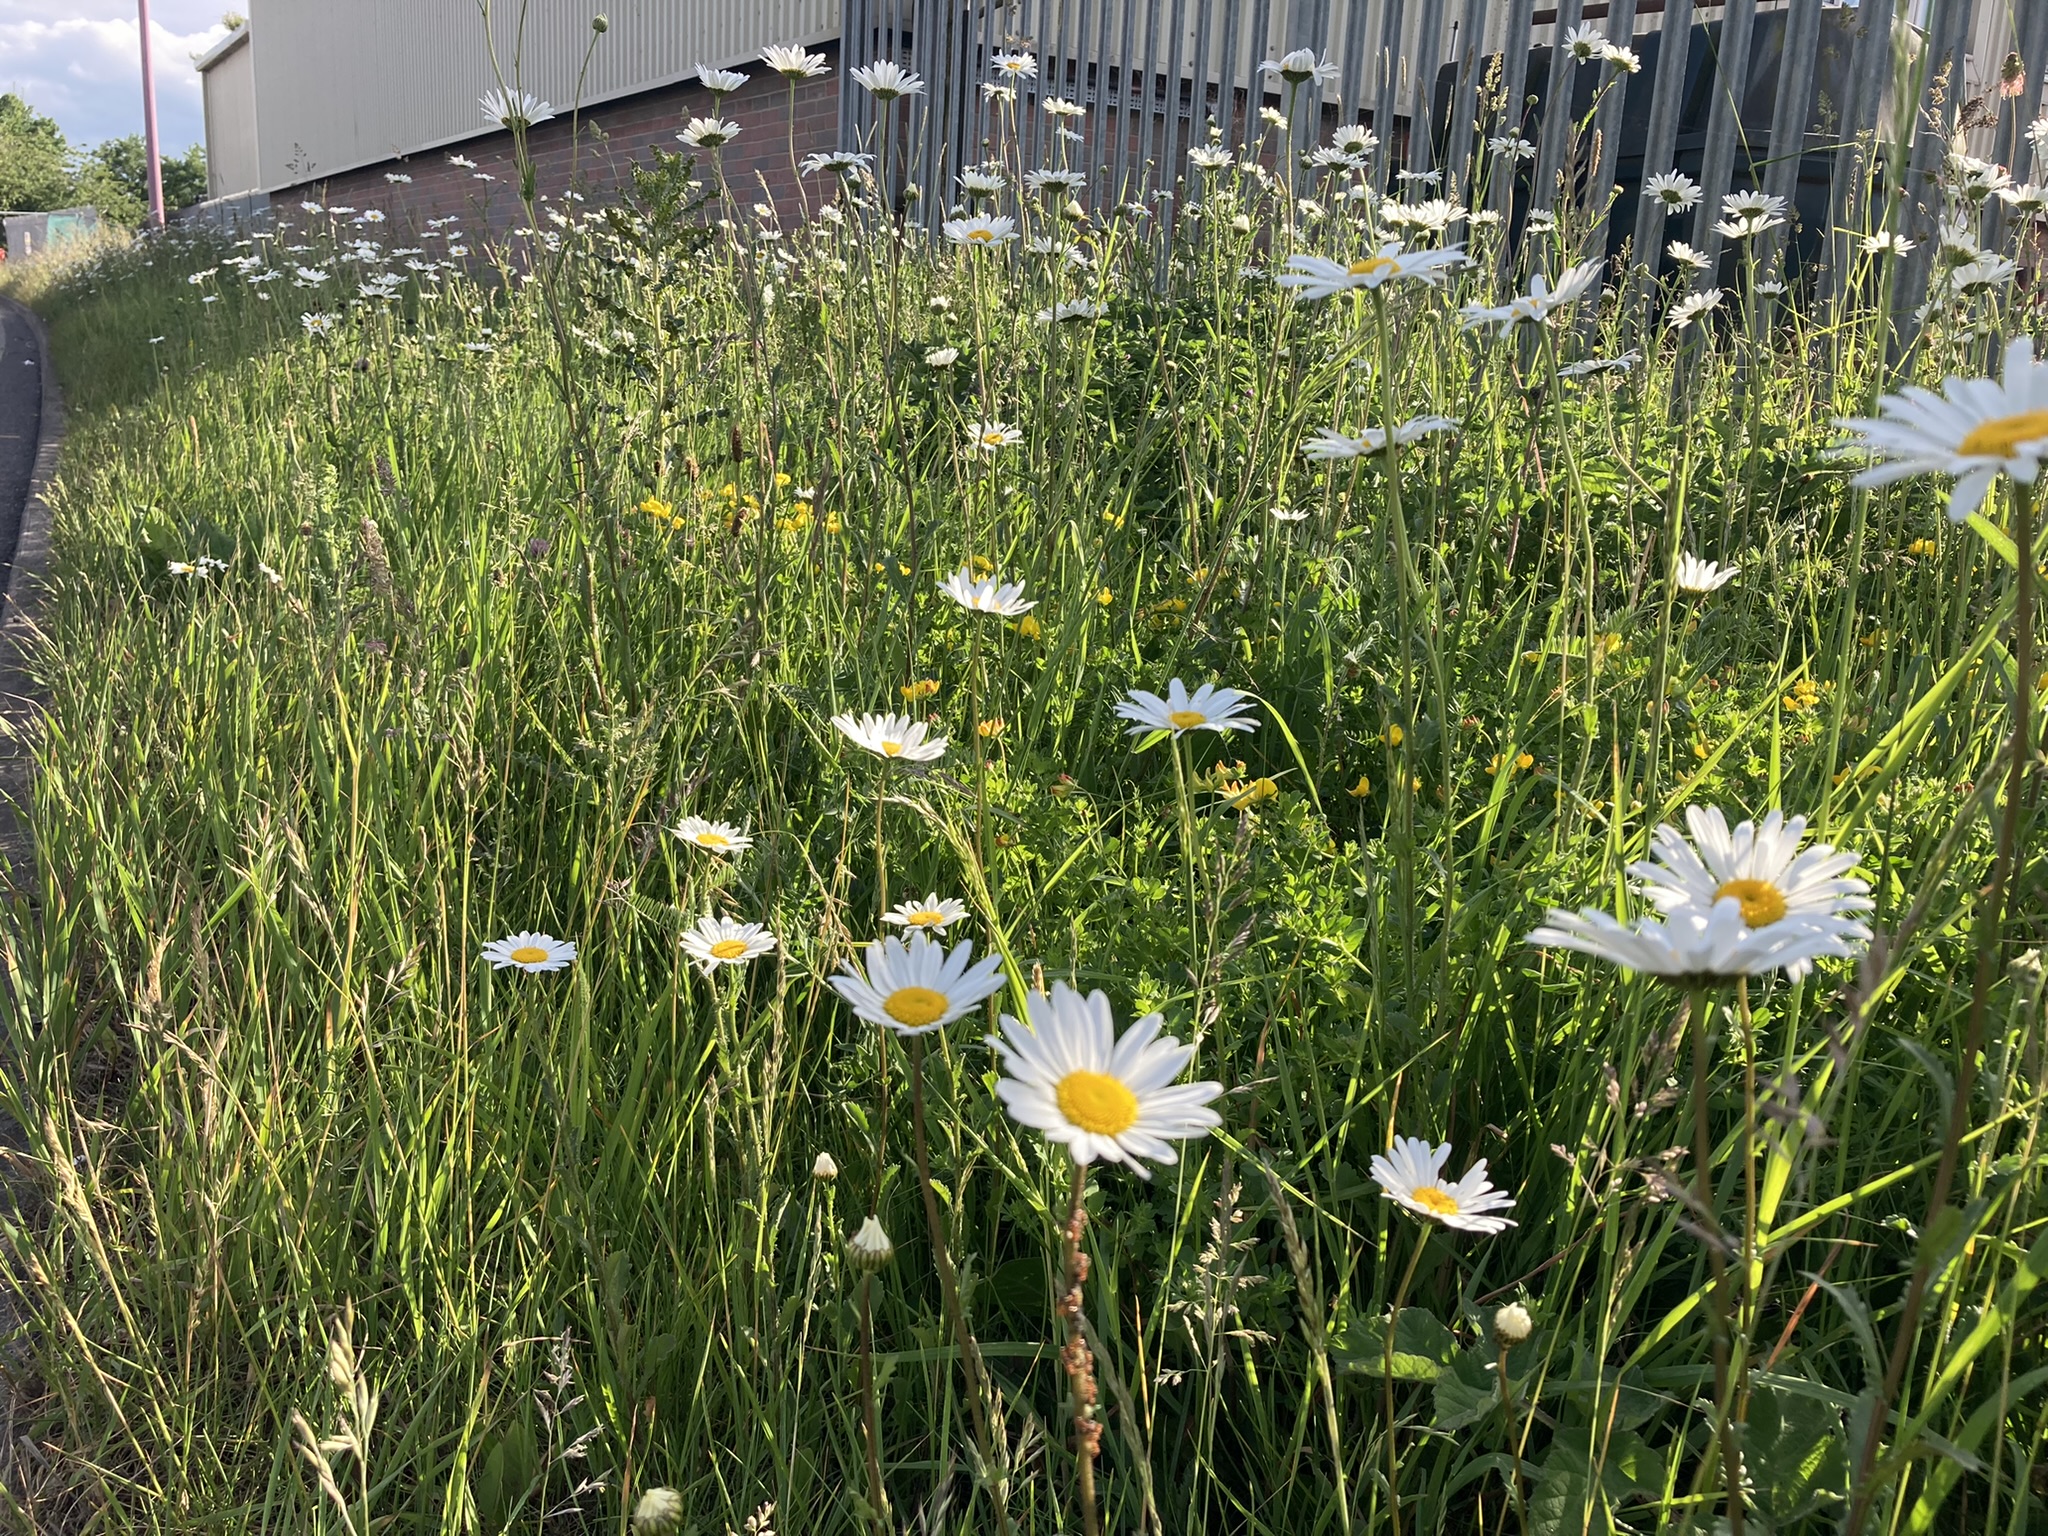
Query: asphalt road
x=21, y=404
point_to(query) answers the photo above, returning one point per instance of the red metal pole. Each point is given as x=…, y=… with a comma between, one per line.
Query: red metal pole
x=154, y=151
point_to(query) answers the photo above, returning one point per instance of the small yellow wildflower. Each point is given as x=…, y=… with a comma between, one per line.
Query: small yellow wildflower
x=1923, y=547
x=832, y=524
x=923, y=688
x=781, y=481
x=983, y=566
x=1496, y=764
x=1105, y=597
x=1361, y=789
x=657, y=509
x=1028, y=627
x=1525, y=761
x=992, y=728
x=1394, y=736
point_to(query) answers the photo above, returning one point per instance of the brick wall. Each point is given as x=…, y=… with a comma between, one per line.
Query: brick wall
x=597, y=166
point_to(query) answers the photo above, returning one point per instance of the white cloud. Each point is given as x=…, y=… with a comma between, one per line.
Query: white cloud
x=79, y=62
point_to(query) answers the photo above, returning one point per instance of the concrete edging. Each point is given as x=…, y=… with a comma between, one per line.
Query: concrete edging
x=21, y=703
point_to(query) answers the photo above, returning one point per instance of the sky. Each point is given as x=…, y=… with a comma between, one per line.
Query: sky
x=79, y=61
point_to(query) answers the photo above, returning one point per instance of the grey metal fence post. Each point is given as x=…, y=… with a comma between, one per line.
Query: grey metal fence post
x=1558, y=90
x=1789, y=111
x=1464, y=105
x=1386, y=78
x=1724, y=126
x=1621, y=30
x=1868, y=67
x=1429, y=51
x=1514, y=80
x=1941, y=70
x=1660, y=141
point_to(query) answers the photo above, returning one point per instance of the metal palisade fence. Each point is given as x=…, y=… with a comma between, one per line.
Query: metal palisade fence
x=1849, y=113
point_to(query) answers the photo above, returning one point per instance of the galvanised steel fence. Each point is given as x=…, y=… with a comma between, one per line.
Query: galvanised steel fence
x=1842, y=110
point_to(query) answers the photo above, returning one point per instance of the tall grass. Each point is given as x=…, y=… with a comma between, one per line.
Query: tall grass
x=289, y=1143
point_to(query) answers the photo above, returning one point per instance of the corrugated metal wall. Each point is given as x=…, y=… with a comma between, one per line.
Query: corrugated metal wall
x=343, y=83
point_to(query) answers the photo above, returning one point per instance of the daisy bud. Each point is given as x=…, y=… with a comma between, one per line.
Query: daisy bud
x=824, y=1167
x=870, y=1248
x=1512, y=1324
x=659, y=1511
x=600, y=23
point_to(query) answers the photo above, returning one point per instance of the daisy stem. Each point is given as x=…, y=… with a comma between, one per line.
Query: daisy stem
x=870, y=1417
x=1079, y=1362
x=881, y=1035
x=1674, y=537
x=992, y=1468
x=1507, y=1412
x=1717, y=1259
x=1387, y=1375
x=1748, y=1288
x=1990, y=923
x=1187, y=862
x=1411, y=591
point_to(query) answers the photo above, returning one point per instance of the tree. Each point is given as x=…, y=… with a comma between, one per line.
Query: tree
x=114, y=177
x=35, y=168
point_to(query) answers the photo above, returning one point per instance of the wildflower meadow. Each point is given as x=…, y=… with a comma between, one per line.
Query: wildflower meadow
x=1278, y=859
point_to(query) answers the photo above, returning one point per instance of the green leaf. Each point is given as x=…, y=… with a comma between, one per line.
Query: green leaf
x=1422, y=1346
x=1467, y=1391
x=1794, y=1452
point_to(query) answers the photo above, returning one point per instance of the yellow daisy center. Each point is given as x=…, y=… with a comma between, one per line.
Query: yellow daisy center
x=1187, y=719
x=1998, y=437
x=713, y=840
x=983, y=236
x=1435, y=1199
x=729, y=949
x=915, y=1007
x=993, y=439
x=1762, y=904
x=892, y=749
x=1372, y=264
x=1097, y=1103
x=926, y=919
x=527, y=954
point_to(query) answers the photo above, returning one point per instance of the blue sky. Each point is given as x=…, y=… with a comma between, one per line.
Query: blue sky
x=79, y=62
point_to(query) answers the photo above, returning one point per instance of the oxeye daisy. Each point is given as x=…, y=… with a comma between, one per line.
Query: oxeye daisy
x=720, y=82
x=1697, y=575
x=1318, y=277
x=1014, y=66
x=1068, y=1076
x=991, y=437
x=935, y=913
x=794, y=63
x=1411, y=1173
x=1975, y=430
x=1674, y=190
x=1328, y=444
x=1208, y=708
x=980, y=230
x=1537, y=305
x=530, y=952
x=886, y=80
x=511, y=109
x=708, y=133
x=713, y=836
x=986, y=596
x=917, y=985
x=1299, y=67
x=1758, y=865
x=1585, y=43
x=716, y=941
x=892, y=736
x=1691, y=946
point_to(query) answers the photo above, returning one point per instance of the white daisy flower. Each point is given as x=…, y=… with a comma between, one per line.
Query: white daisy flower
x=1055, y=179
x=1537, y=305
x=892, y=736
x=977, y=183
x=1059, y=106
x=1887, y=240
x=1975, y=430
x=1585, y=43
x=991, y=437
x=462, y=160
x=839, y=162
x=1354, y=139
x=942, y=357
x=886, y=80
x=1760, y=866
x=720, y=82
x=319, y=324
x=1318, y=277
x=1627, y=60
x=1209, y=157
x=934, y=913
x=512, y=109
x=1299, y=67
x=986, y=596
x=917, y=985
x=2026, y=198
x=1592, y=365
x=1290, y=514
x=1697, y=575
x=980, y=230
x=1988, y=272
x=1327, y=444
x=869, y=1248
x=1511, y=145
x=1209, y=708
x=1014, y=66
x=708, y=133
x=1068, y=1076
x=713, y=836
x=716, y=941
x=1686, y=256
x=530, y=952
x=1675, y=190
x=1069, y=309
x=1411, y=1173
x=793, y=63
x=1692, y=307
